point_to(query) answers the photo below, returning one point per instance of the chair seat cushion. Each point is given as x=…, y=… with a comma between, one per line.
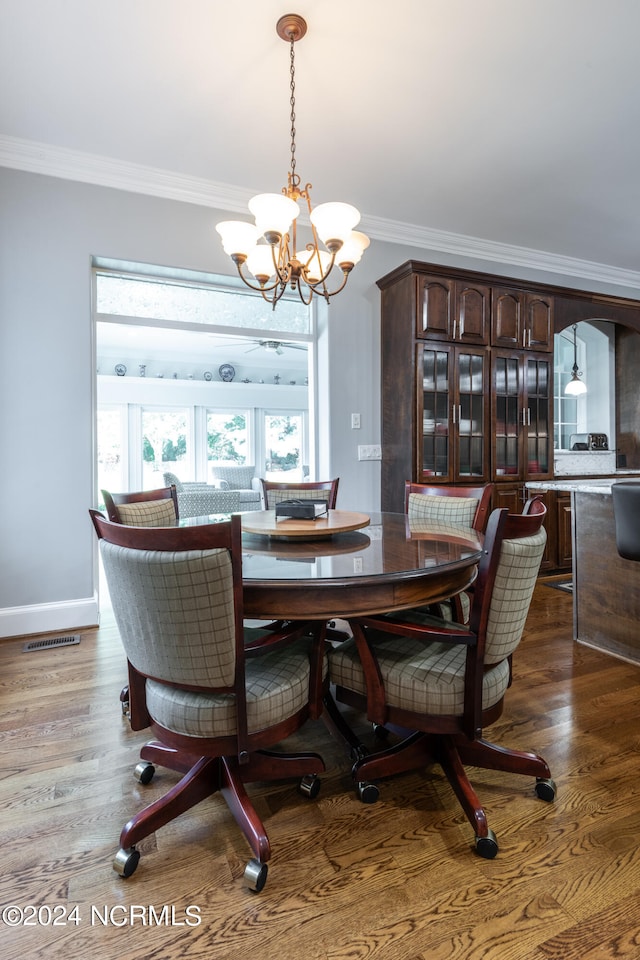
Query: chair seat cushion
x=426, y=678
x=277, y=686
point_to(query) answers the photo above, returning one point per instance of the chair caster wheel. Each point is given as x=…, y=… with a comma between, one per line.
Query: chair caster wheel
x=367, y=792
x=144, y=772
x=309, y=786
x=380, y=732
x=126, y=861
x=124, y=701
x=487, y=847
x=255, y=875
x=546, y=789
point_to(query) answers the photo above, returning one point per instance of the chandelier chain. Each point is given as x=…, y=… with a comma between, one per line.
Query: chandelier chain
x=294, y=177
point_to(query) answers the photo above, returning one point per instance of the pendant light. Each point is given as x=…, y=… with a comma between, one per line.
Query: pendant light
x=575, y=387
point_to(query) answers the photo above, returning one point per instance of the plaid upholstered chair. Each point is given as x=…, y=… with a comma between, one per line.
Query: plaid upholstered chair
x=458, y=506
x=466, y=506
x=143, y=508
x=273, y=492
x=215, y=695
x=438, y=684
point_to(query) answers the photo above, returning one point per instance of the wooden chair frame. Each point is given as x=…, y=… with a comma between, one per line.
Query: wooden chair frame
x=452, y=741
x=223, y=763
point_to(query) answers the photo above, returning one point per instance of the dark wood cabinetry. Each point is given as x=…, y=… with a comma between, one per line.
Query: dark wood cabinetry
x=521, y=319
x=453, y=310
x=467, y=382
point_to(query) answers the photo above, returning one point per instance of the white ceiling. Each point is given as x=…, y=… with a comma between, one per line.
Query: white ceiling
x=511, y=121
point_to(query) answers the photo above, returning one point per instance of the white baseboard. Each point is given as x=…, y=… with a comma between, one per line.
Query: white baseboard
x=49, y=617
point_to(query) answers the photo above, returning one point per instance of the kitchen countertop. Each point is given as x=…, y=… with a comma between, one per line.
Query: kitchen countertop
x=583, y=484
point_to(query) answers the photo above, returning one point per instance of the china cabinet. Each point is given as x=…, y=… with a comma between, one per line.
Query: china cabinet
x=467, y=377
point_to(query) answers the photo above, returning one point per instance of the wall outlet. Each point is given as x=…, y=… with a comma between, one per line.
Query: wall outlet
x=355, y=421
x=371, y=451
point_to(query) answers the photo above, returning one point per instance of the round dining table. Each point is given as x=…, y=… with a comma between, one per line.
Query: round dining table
x=388, y=564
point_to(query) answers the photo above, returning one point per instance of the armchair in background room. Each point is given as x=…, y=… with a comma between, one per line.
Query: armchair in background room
x=240, y=478
x=202, y=499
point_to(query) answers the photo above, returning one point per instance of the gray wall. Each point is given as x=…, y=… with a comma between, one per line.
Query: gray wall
x=49, y=230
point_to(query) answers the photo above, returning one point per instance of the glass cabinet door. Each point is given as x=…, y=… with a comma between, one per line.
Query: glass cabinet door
x=507, y=390
x=538, y=414
x=433, y=448
x=452, y=442
x=469, y=416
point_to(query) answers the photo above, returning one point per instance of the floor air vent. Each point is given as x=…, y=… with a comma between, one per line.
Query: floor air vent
x=51, y=642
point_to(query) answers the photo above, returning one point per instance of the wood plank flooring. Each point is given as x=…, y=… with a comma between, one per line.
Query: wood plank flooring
x=396, y=880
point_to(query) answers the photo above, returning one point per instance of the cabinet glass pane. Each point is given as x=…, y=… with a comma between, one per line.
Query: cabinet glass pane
x=470, y=421
x=435, y=412
x=538, y=425
x=507, y=420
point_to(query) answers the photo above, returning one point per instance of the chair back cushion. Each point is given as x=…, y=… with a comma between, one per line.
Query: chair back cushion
x=175, y=612
x=170, y=478
x=147, y=513
x=456, y=510
x=237, y=477
x=296, y=493
x=516, y=576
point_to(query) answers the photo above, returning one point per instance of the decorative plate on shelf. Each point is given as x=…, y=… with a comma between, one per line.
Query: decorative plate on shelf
x=227, y=372
x=120, y=369
x=207, y=375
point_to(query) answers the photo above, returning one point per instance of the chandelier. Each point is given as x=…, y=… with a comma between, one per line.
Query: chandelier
x=267, y=250
x=575, y=387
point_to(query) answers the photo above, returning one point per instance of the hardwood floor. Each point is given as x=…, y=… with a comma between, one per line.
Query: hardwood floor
x=397, y=880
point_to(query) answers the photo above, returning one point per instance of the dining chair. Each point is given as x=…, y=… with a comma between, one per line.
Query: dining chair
x=463, y=506
x=468, y=506
x=143, y=508
x=437, y=685
x=216, y=699
x=626, y=513
x=274, y=491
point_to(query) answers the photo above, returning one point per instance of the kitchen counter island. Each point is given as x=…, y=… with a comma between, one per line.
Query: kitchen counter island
x=606, y=588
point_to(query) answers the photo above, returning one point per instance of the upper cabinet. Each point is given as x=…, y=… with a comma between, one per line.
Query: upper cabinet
x=453, y=310
x=467, y=384
x=521, y=319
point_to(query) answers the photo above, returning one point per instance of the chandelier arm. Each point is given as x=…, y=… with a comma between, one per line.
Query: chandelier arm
x=320, y=280
x=325, y=293
x=262, y=288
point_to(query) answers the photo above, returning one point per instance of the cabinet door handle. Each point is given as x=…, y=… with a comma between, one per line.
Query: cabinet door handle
x=453, y=413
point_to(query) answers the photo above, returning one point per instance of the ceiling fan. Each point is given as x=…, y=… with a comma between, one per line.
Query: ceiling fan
x=275, y=346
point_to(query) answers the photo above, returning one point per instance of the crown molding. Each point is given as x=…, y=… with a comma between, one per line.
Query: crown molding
x=53, y=161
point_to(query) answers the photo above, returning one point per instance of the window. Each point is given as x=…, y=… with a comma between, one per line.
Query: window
x=227, y=436
x=165, y=446
x=284, y=445
x=567, y=409
x=162, y=341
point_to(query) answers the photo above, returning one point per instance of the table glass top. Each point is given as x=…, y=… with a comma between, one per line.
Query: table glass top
x=390, y=546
